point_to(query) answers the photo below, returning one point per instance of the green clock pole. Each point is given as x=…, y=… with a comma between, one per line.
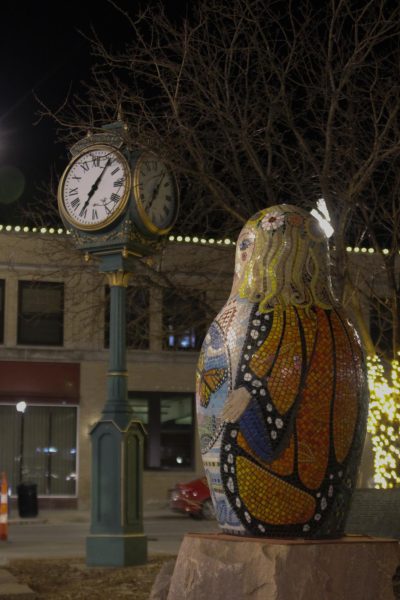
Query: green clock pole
x=116, y=535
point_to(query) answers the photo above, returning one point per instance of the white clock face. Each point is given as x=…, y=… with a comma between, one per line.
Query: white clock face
x=95, y=188
x=156, y=194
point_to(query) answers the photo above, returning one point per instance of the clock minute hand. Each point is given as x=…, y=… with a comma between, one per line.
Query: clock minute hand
x=155, y=191
x=95, y=185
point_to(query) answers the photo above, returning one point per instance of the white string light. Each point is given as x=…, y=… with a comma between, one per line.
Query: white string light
x=172, y=238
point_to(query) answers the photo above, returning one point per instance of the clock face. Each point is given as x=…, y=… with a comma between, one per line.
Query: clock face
x=95, y=188
x=155, y=193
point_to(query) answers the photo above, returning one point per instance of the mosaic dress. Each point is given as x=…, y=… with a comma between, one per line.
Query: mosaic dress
x=281, y=390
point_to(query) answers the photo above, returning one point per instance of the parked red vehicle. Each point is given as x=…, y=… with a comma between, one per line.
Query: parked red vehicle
x=193, y=498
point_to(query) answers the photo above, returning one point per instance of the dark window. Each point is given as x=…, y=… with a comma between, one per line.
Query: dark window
x=2, y=286
x=39, y=446
x=40, y=313
x=184, y=320
x=168, y=420
x=137, y=318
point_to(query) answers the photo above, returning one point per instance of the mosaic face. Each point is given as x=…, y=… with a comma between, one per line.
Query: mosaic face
x=244, y=252
x=281, y=388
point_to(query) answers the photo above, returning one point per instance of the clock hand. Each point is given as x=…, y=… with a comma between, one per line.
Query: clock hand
x=95, y=185
x=155, y=191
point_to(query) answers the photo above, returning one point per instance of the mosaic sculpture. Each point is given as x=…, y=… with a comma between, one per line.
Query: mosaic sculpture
x=281, y=388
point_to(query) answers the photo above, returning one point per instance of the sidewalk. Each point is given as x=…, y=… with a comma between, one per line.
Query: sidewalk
x=56, y=516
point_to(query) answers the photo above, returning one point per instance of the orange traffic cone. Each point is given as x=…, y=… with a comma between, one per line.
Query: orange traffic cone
x=4, y=508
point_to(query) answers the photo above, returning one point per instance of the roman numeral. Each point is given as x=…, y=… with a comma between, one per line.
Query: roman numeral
x=73, y=192
x=76, y=177
x=95, y=216
x=114, y=198
x=115, y=171
x=75, y=203
x=96, y=161
x=150, y=165
x=83, y=212
x=119, y=182
x=85, y=166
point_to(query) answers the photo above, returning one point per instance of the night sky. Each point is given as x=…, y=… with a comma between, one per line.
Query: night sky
x=43, y=54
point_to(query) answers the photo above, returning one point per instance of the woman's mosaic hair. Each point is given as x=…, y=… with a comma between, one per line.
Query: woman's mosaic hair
x=289, y=262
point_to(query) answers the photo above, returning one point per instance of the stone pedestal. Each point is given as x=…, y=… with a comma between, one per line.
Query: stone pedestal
x=222, y=567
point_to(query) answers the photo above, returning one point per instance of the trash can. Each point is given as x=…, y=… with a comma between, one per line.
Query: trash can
x=27, y=500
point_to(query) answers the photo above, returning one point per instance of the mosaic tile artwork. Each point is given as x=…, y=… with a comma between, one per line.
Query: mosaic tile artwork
x=281, y=387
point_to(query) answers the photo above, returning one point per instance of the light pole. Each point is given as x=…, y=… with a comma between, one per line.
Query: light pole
x=21, y=408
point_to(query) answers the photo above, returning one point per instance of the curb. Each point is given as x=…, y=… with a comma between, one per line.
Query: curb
x=9, y=587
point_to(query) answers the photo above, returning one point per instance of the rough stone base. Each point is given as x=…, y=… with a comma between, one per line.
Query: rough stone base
x=222, y=567
x=162, y=582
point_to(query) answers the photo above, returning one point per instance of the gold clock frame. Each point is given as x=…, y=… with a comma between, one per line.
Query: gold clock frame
x=123, y=202
x=150, y=226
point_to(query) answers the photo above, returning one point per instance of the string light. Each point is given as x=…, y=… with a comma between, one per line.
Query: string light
x=384, y=420
x=172, y=238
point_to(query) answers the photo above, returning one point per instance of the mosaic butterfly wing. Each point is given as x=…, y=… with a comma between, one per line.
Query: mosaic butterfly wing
x=208, y=381
x=212, y=382
x=284, y=457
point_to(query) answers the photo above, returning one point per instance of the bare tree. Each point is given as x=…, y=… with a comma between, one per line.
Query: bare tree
x=254, y=103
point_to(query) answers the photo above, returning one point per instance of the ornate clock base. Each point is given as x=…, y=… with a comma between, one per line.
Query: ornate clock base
x=116, y=535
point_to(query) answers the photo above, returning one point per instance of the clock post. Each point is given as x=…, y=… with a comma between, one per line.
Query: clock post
x=117, y=205
x=116, y=536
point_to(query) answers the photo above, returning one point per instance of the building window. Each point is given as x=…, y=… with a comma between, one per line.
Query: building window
x=168, y=420
x=184, y=320
x=39, y=446
x=2, y=287
x=40, y=313
x=137, y=318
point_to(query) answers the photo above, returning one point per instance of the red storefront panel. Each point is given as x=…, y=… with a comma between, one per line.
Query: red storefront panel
x=39, y=381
